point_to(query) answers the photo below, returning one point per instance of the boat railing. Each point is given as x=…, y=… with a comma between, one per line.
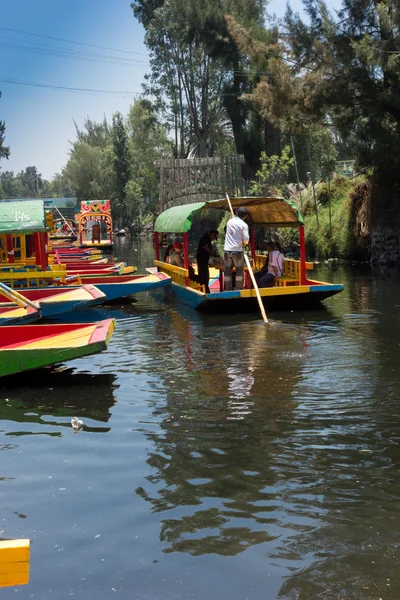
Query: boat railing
x=32, y=278
x=178, y=275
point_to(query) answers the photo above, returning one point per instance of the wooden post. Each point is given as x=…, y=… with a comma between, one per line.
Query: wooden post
x=253, y=245
x=303, y=277
x=10, y=248
x=43, y=250
x=156, y=245
x=36, y=239
x=186, y=256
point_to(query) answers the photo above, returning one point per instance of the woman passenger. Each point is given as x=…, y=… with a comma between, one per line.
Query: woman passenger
x=168, y=252
x=176, y=257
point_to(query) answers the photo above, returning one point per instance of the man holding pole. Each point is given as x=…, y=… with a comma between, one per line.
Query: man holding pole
x=237, y=237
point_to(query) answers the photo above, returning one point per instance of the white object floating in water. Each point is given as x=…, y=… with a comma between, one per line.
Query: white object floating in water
x=77, y=424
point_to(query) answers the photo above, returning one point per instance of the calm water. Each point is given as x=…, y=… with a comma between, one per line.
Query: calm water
x=221, y=459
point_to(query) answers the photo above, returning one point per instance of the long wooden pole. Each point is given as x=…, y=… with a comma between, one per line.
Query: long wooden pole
x=248, y=265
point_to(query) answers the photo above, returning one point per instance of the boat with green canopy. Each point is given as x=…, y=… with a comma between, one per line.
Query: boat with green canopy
x=295, y=290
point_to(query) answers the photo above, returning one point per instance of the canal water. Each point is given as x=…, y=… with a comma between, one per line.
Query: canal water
x=220, y=458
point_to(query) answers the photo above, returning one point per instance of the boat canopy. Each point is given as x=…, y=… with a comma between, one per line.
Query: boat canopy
x=274, y=212
x=22, y=216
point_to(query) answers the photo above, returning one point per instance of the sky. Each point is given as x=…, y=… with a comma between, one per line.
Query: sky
x=35, y=48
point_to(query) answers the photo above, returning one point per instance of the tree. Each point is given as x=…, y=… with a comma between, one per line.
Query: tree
x=197, y=71
x=4, y=150
x=349, y=71
x=148, y=142
x=273, y=174
x=121, y=162
x=90, y=171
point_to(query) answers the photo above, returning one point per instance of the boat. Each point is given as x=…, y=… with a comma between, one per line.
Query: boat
x=295, y=290
x=57, y=300
x=26, y=348
x=14, y=562
x=120, y=286
x=95, y=224
x=18, y=314
x=97, y=289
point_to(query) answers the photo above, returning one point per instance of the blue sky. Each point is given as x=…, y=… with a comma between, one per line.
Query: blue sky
x=39, y=121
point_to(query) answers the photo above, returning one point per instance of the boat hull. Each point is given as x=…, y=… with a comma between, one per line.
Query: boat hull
x=122, y=286
x=302, y=297
x=58, y=300
x=39, y=346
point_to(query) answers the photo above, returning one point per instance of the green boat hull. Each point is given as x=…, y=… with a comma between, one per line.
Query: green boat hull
x=18, y=361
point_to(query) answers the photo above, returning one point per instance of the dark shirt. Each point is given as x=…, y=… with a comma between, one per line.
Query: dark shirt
x=202, y=254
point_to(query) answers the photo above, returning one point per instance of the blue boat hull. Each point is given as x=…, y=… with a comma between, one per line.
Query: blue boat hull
x=236, y=301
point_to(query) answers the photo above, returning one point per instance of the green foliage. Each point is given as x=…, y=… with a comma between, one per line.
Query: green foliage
x=90, y=171
x=148, y=142
x=4, y=150
x=197, y=73
x=348, y=69
x=318, y=237
x=121, y=162
x=273, y=174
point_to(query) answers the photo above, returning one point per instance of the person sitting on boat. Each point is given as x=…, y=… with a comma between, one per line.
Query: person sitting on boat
x=275, y=259
x=237, y=237
x=96, y=232
x=176, y=256
x=265, y=278
x=204, y=251
x=168, y=252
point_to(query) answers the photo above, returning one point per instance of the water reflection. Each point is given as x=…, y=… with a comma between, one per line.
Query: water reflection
x=53, y=396
x=225, y=397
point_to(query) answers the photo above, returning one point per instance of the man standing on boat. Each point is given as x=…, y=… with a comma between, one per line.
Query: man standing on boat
x=237, y=237
x=204, y=252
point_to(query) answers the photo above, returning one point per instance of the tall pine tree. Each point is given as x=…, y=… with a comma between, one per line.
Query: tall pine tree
x=120, y=146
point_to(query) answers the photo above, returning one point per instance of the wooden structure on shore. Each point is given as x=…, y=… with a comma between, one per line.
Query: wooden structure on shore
x=189, y=180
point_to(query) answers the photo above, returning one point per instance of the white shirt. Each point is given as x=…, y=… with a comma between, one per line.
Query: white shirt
x=237, y=232
x=276, y=259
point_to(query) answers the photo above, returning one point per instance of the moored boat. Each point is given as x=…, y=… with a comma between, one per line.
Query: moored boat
x=293, y=291
x=18, y=314
x=57, y=300
x=120, y=286
x=26, y=348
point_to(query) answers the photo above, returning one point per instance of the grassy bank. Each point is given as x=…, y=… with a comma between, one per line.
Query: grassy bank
x=333, y=234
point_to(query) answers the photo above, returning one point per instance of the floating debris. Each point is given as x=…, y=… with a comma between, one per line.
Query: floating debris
x=77, y=424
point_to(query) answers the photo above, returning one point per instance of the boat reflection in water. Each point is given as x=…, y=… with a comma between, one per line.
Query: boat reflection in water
x=45, y=398
x=219, y=406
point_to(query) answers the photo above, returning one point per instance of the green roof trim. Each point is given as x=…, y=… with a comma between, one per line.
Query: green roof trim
x=177, y=219
x=23, y=216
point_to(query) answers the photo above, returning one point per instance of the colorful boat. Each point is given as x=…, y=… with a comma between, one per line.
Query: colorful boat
x=95, y=224
x=293, y=291
x=120, y=286
x=14, y=562
x=26, y=348
x=18, y=314
x=57, y=300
